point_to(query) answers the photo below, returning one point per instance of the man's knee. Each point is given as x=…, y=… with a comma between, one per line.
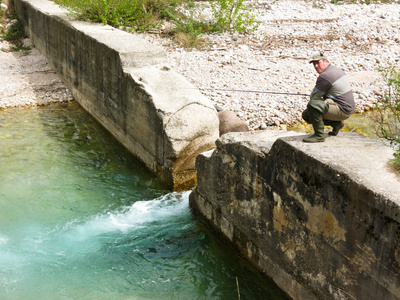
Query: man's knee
x=318, y=106
x=305, y=115
x=335, y=114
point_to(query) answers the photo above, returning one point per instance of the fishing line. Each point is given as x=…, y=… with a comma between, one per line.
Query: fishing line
x=252, y=91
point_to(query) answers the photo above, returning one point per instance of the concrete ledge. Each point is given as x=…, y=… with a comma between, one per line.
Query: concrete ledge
x=322, y=220
x=126, y=84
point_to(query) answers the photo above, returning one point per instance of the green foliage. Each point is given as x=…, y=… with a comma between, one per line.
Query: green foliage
x=396, y=161
x=140, y=15
x=15, y=35
x=387, y=117
x=232, y=15
x=184, y=24
x=188, y=29
x=143, y=15
x=228, y=15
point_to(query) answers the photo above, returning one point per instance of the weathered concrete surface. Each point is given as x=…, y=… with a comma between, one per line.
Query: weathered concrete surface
x=125, y=83
x=323, y=220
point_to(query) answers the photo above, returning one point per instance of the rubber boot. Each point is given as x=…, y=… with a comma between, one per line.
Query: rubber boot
x=318, y=136
x=315, y=110
x=336, y=126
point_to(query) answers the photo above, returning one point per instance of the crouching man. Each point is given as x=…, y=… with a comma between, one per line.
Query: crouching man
x=331, y=100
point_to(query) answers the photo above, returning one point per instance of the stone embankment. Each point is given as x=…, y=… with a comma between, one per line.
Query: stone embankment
x=323, y=221
x=125, y=83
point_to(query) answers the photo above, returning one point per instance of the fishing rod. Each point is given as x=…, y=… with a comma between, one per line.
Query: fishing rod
x=252, y=91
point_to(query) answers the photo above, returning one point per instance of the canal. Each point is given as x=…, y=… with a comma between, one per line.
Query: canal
x=80, y=218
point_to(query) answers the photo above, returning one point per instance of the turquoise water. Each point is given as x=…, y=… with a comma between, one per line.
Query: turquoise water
x=80, y=218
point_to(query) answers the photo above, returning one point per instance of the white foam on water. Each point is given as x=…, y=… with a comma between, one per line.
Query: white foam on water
x=141, y=214
x=5, y=255
x=88, y=236
x=3, y=240
x=77, y=239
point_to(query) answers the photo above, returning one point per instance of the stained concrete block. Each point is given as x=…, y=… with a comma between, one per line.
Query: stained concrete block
x=323, y=221
x=126, y=84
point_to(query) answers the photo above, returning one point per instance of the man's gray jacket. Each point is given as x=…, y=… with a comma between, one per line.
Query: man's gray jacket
x=334, y=84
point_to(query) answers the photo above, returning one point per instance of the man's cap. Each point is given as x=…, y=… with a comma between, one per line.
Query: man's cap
x=318, y=56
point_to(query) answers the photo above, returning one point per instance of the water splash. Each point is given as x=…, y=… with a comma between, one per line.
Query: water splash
x=84, y=243
x=3, y=240
x=138, y=217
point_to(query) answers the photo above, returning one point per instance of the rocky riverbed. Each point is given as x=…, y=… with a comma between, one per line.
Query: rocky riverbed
x=27, y=80
x=250, y=74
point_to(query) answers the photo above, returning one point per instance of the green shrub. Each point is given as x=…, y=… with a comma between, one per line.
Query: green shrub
x=232, y=15
x=143, y=15
x=188, y=29
x=228, y=15
x=387, y=115
x=140, y=15
x=16, y=35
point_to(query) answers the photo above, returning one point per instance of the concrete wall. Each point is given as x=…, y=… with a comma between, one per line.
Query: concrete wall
x=322, y=220
x=126, y=84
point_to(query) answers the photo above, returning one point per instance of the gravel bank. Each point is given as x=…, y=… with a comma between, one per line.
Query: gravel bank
x=358, y=38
